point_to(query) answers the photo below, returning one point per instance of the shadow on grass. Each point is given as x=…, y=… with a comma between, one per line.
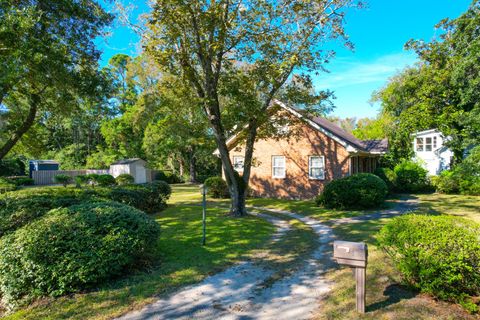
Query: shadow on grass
x=395, y=294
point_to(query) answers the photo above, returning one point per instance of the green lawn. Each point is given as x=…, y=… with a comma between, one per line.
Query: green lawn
x=458, y=205
x=181, y=260
x=386, y=299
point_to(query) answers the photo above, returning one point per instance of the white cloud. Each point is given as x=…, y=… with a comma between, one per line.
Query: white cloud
x=347, y=72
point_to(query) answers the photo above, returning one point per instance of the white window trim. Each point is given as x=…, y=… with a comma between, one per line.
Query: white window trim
x=422, y=144
x=243, y=161
x=310, y=167
x=426, y=144
x=284, y=168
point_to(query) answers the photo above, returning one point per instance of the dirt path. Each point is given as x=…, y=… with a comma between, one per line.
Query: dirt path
x=234, y=294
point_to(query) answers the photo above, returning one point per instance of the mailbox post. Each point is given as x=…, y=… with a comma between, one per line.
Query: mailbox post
x=355, y=255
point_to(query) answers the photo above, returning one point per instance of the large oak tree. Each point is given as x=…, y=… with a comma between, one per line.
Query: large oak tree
x=246, y=50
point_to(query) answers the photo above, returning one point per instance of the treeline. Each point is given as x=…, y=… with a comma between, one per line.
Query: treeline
x=57, y=103
x=136, y=114
x=442, y=91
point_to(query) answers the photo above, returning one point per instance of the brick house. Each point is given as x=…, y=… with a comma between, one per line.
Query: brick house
x=298, y=165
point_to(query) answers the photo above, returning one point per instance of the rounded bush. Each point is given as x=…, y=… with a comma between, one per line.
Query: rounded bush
x=62, y=179
x=217, y=187
x=105, y=180
x=124, y=179
x=149, y=197
x=73, y=249
x=410, y=177
x=439, y=255
x=362, y=190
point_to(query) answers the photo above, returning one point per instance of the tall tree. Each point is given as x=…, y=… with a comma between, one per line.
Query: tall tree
x=48, y=59
x=179, y=130
x=442, y=91
x=252, y=45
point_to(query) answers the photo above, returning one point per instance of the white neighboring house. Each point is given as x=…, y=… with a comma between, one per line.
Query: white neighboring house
x=135, y=167
x=430, y=150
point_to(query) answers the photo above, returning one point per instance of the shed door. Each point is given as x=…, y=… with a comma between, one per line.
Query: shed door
x=140, y=174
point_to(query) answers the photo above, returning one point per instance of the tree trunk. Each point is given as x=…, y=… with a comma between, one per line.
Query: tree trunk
x=193, y=167
x=27, y=124
x=180, y=167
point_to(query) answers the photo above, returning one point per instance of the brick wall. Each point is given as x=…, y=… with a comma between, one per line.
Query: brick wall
x=296, y=185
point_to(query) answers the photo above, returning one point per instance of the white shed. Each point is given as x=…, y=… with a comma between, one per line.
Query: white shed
x=430, y=150
x=135, y=167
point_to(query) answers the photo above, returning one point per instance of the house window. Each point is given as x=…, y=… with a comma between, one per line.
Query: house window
x=428, y=144
x=316, y=167
x=238, y=162
x=419, y=144
x=434, y=143
x=278, y=167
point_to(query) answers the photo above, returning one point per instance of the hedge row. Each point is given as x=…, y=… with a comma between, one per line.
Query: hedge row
x=21, y=207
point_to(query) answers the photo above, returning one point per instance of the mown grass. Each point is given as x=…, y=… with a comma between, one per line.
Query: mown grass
x=386, y=298
x=458, y=205
x=181, y=260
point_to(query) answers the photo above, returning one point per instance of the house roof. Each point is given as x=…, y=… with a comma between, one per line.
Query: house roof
x=376, y=146
x=348, y=140
x=421, y=133
x=127, y=161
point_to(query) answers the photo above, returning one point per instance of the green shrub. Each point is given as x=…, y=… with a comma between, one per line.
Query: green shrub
x=12, y=167
x=446, y=182
x=21, y=180
x=124, y=179
x=388, y=176
x=217, y=187
x=168, y=177
x=149, y=197
x=439, y=255
x=464, y=178
x=362, y=190
x=105, y=180
x=468, y=173
x=62, y=179
x=81, y=180
x=92, y=179
x=73, y=249
x=22, y=207
x=162, y=189
x=6, y=185
x=410, y=177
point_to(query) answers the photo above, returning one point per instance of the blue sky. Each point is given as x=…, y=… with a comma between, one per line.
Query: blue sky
x=378, y=32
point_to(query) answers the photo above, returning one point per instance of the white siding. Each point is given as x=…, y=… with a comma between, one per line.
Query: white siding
x=435, y=157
